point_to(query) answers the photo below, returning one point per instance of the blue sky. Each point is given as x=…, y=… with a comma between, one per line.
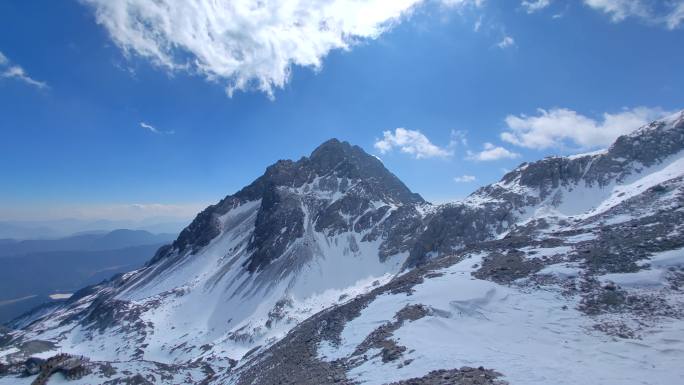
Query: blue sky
x=477, y=87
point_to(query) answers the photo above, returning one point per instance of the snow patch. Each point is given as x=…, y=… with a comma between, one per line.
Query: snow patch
x=61, y=295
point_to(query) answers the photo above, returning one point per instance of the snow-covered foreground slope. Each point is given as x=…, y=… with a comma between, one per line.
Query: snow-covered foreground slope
x=531, y=336
x=329, y=270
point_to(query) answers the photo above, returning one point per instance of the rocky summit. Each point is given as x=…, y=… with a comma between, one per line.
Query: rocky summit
x=329, y=270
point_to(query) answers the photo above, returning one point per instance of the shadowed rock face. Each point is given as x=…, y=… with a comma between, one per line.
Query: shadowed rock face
x=279, y=221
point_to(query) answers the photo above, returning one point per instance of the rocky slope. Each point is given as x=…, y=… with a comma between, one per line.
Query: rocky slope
x=329, y=270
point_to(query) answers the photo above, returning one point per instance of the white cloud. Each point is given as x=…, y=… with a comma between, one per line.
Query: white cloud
x=149, y=127
x=464, y=3
x=153, y=129
x=506, y=42
x=478, y=24
x=619, y=10
x=561, y=127
x=244, y=43
x=492, y=152
x=675, y=18
x=411, y=142
x=532, y=6
x=464, y=179
x=669, y=13
x=17, y=72
x=458, y=138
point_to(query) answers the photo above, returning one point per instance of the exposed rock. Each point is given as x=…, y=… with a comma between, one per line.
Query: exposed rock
x=463, y=376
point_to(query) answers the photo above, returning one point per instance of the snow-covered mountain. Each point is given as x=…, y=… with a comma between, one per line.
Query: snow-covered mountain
x=249, y=268
x=329, y=270
x=578, y=186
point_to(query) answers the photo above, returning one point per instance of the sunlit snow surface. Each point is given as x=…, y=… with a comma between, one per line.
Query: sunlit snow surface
x=525, y=334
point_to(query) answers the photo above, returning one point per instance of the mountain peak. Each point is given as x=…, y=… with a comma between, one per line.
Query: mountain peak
x=334, y=144
x=336, y=159
x=334, y=148
x=343, y=175
x=331, y=154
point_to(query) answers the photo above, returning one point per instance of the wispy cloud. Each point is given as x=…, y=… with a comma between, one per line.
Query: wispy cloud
x=491, y=152
x=411, y=142
x=13, y=71
x=478, y=24
x=506, y=42
x=155, y=130
x=562, y=127
x=464, y=3
x=465, y=179
x=675, y=17
x=458, y=138
x=532, y=6
x=246, y=44
x=668, y=13
x=619, y=10
x=243, y=43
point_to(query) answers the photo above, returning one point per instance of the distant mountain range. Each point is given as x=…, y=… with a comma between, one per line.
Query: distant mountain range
x=34, y=270
x=117, y=239
x=60, y=228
